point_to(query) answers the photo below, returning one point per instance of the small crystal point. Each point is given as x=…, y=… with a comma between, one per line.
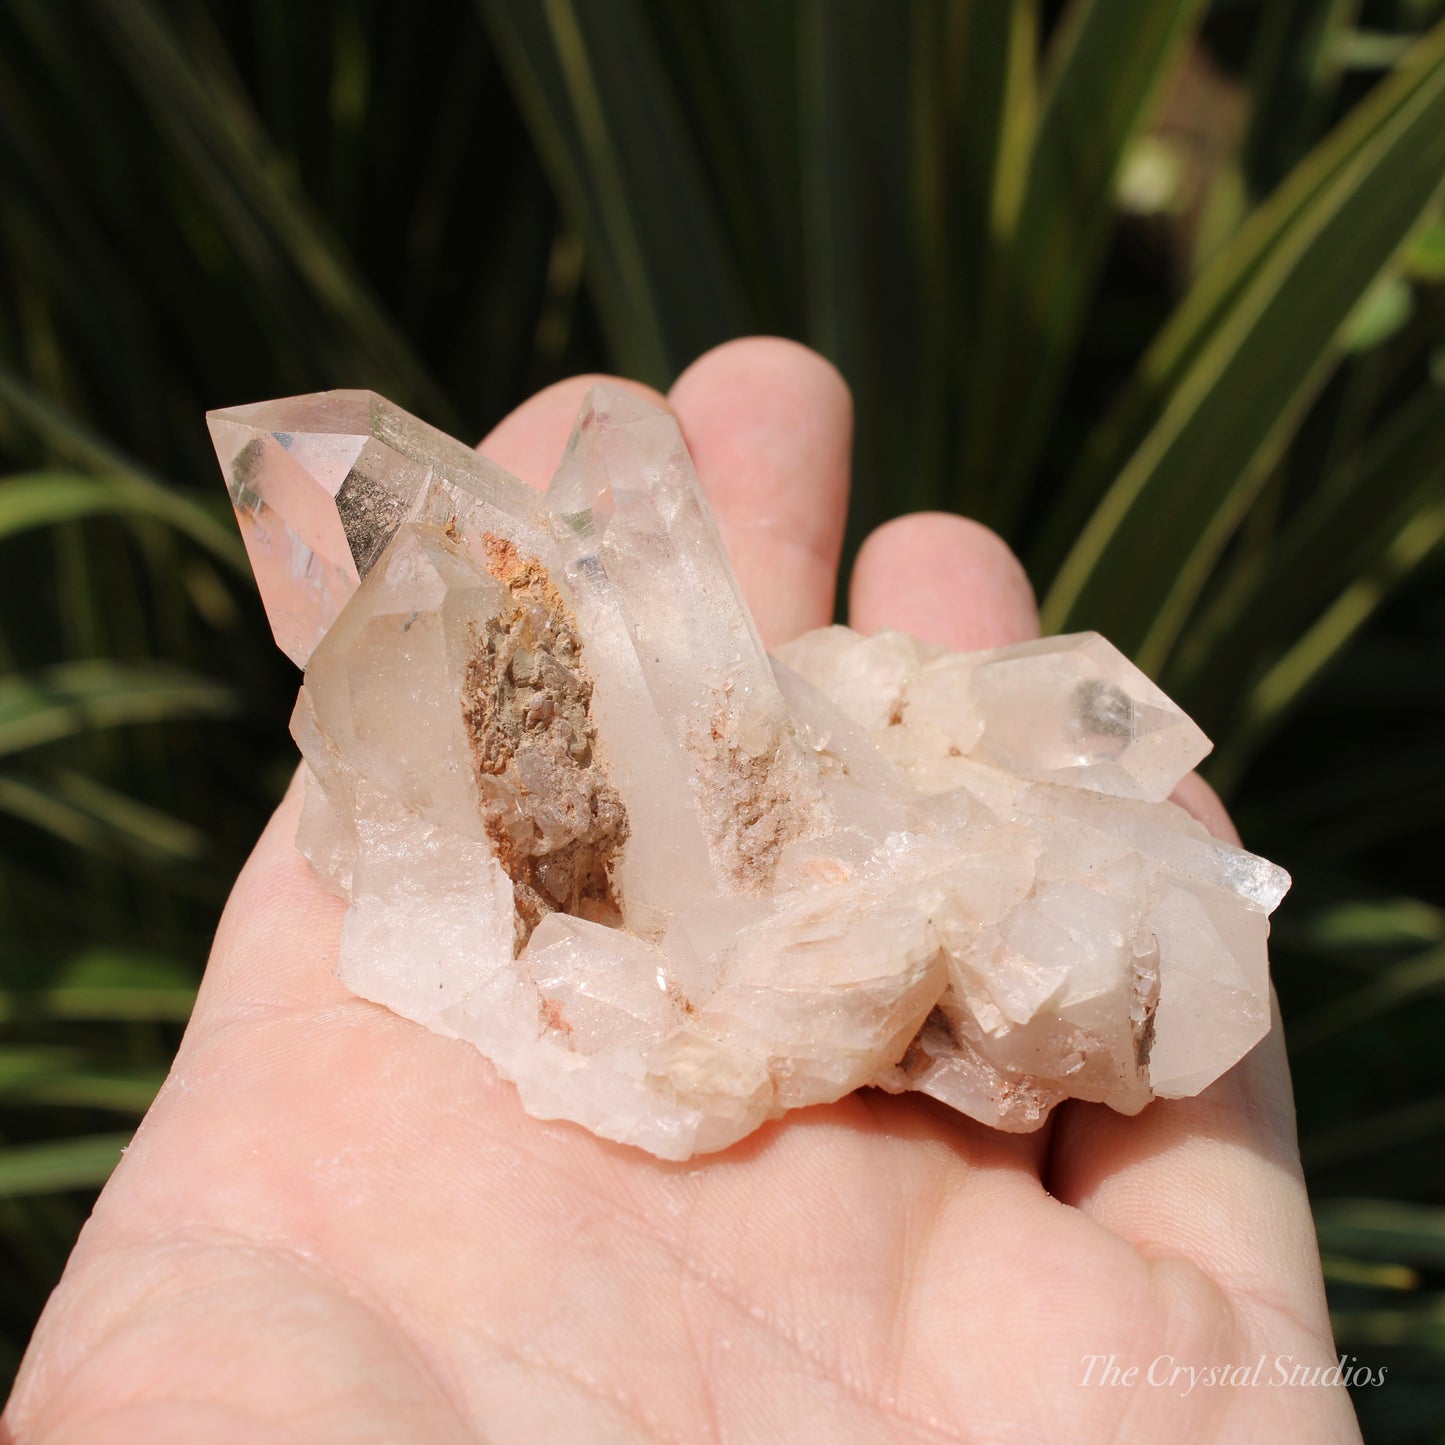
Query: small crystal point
x=674, y=888
x=283, y=470
x=1075, y=710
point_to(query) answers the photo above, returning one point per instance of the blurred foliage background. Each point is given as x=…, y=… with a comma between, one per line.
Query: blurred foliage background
x=1156, y=287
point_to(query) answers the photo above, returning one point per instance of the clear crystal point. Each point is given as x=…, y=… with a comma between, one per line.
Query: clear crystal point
x=645, y=560
x=1075, y=710
x=321, y=483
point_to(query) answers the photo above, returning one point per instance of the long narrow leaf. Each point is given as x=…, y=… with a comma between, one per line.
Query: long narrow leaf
x=1384, y=923
x=1184, y=491
x=64, y=1078
x=607, y=122
x=1398, y=985
x=1359, y=1138
x=41, y=499
x=60, y=1164
x=77, y=696
x=861, y=85
x=1106, y=64
x=1280, y=689
x=993, y=82
x=132, y=489
x=1294, y=70
x=86, y=813
x=1346, y=528
x=217, y=136
x=1420, y=1325
x=1383, y=1229
x=1212, y=305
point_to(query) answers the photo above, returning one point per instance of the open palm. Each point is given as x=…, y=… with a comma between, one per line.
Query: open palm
x=336, y=1226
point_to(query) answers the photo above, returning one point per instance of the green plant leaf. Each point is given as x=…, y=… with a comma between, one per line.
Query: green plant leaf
x=1339, y=1270
x=991, y=82
x=1356, y=1139
x=65, y=1078
x=1424, y=258
x=1295, y=66
x=1336, y=560
x=872, y=97
x=43, y=499
x=1418, y=1326
x=1212, y=304
x=747, y=136
x=1368, y=49
x=84, y=1163
x=88, y=814
x=1384, y=1229
x=607, y=122
x=1237, y=403
x=1417, y=538
x=1104, y=68
x=1383, y=311
x=75, y=697
x=1394, y=987
x=1366, y=923
x=110, y=985
x=215, y=134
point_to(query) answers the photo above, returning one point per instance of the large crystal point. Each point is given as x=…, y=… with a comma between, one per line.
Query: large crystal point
x=673, y=888
x=639, y=538
x=321, y=484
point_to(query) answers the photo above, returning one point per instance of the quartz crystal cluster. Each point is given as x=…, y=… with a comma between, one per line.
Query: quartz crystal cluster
x=672, y=887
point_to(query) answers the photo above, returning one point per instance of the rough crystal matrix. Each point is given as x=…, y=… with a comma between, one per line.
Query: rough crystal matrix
x=673, y=888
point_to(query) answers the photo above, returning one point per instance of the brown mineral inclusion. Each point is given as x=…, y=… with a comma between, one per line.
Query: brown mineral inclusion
x=526, y=702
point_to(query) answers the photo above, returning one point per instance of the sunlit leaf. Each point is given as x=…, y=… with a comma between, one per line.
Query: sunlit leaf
x=1106, y=63
x=1212, y=305
x=42, y=499
x=1183, y=492
x=1382, y=311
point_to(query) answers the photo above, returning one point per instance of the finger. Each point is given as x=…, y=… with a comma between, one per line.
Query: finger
x=770, y=427
x=530, y=441
x=945, y=579
x=1196, y=797
x=951, y=581
x=278, y=938
x=1176, y=1181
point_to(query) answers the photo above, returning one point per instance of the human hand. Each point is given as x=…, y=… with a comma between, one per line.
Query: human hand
x=336, y=1225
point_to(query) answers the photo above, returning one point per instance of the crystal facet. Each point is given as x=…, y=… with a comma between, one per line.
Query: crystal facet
x=673, y=888
x=321, y=484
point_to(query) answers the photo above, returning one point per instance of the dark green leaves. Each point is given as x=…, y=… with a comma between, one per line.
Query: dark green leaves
x=83, y=1163
x=1103, y=71
x=1259, y=355
x=79, y=697
x=605, y=112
